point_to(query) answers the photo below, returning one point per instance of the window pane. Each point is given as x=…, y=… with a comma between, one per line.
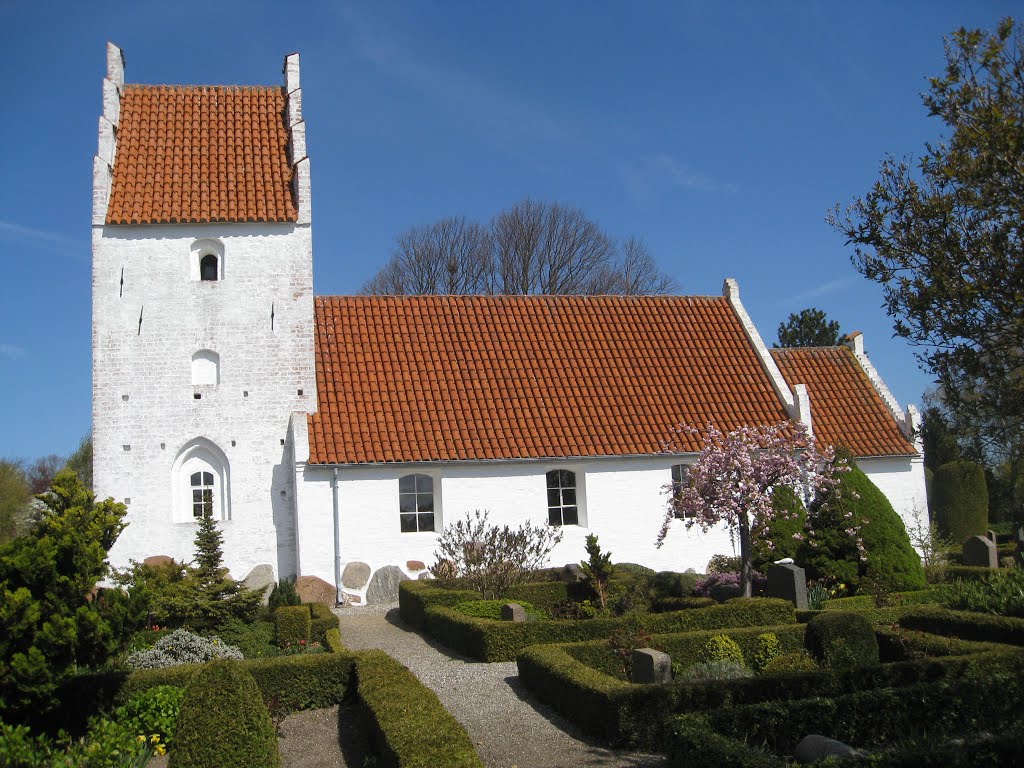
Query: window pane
x=569, y=516
x=568, y=479
x=427, y=522
x=569, y=496
x=197, y=496
x=425, y=502
x=424, y=484
x=407, y=484
x=207, y=478
x=553, y=478
x=407, y=503
x=197, y=478
x=554, y=498
x=555, y=516
x=408, y=523
x=197, y=510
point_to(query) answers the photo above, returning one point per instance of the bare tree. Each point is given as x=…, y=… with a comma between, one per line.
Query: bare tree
x=530, y=248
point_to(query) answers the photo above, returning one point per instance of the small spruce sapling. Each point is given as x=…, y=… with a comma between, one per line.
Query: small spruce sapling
x=598, y=569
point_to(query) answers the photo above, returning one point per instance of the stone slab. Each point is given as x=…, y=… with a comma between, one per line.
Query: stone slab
x=383, y=587
x=261, y=578
x=513, y=612
x=980, y=552
x=788, y=582
x=651, y=667
x=814, y=747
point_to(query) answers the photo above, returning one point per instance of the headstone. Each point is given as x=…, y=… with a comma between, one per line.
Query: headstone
x=415, y=565
x=383, y=587
x=651, y=666
x=513, y=612
x=355, y=575
x=814, y=747
x=991, y=536
x=571, y=573
x=155, y=561
x=788, y=582
x=261, y=579
x=313, y=589
x=980, y=551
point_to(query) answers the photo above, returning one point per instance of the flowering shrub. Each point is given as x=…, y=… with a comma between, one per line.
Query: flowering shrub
x=722, y=586
x=182, y=647
x=107, y=744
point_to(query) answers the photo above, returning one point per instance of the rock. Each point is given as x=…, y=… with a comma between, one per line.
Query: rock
x=155, y=561
x=814, y=747
x=355, y=575
x=788, y=582
x=513, y=612
x=383, y=587
x=347, y=598
x=415, y=565
x=260, y=578
x=651, y=666
x=424, y=576
x=313, y=589
x=980, y=551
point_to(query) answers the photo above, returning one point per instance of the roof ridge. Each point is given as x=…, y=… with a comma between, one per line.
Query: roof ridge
x=199, y=86
x=521, y=296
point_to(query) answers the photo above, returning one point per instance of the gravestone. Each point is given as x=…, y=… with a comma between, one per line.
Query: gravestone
x=991, y=536
x=571, y=573
x=980, y=552
x=651, y=666
x=788, y=582
x=814, y=747
x=513, y=612
x=261, y=578
x=383, y=587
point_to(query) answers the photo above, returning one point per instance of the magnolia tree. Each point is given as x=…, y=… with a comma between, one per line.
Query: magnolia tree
x=735, y=476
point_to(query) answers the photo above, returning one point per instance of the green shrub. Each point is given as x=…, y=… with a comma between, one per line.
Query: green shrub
x=768, y=648
x=672, y=584
x=106, y=744
x=491, y=609
x=224, y=722
x=890, y=562
x=293, y=624
x=153, y=711
x=667, y=604
x=792, y=515
x=897, y=643
x=797, y=661
x=960, y=500
x=283, y=593
x=713, y=669
x=1000, y=592
x=841, y=639
x=255, y=639
x=323, y=619
x=969, y=626
x=721, y=648
x=411, y=727
x=724, y=564
x=332, y=640
x=182, y=647
x=694, y=744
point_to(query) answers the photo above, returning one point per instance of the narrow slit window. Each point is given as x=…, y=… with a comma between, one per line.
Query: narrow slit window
x=208, y=271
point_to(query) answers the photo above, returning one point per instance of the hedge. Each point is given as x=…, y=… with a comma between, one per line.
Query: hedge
x=966, y=625
x=867, y=602
x=411, y=727
x=638, y=715
x=966, y=572
x=332, y=640
x=667, y=604
x=489, y=640
x=960, y=500
x=414, y=597
x=899, y=644
x=292, y=625
x=322, y=619
x=841, y=639
x=876, y=616
x=224, y=722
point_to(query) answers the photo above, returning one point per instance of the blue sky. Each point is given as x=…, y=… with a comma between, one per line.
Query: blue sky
x=720, y=133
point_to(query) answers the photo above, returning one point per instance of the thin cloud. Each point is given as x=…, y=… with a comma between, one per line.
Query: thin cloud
x=679, y=175
x=645, y=179
x=48, y=240
x=11, y=351
x=820, y=290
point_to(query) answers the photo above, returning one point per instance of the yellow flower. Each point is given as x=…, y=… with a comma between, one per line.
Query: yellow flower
x=154, y=739
x=140, y=739
x=160, y=749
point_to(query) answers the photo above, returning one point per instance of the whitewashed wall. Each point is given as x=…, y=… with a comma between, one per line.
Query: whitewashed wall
x=144, y=409
x=901, y=479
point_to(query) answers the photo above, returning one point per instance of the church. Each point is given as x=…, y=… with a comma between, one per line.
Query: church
x=335, y=436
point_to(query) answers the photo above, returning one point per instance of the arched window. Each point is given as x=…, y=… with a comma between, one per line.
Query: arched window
x=203, y=487
x=416, y=503
x=208, y=268
x=200, y=480
x=680, y=477
x=205, y=367
x=562, y=504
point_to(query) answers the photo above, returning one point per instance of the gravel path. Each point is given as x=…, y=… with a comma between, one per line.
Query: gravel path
x=510, y=729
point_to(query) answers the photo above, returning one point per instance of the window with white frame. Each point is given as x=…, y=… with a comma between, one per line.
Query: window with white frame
x=563, y=507
x=200, y=482
x=680, y=478
x=416, y=503
x=203, y=494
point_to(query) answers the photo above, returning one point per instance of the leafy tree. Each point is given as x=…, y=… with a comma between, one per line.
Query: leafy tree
x=80, y=462
x=14, y=499
x=597, y=569
x=492, y=560
x=531, y=248
x=810, y=328
x=736, y=477
x=944, y=238
x=50, y=627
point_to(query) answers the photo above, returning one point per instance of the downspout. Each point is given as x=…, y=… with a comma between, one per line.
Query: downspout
x=337, y=538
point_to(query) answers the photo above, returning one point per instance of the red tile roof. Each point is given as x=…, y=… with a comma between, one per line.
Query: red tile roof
x=424, y=378
x=201, y=154
x=845, y=407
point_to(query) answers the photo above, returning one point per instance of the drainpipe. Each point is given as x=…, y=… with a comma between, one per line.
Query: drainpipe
x=337, y=539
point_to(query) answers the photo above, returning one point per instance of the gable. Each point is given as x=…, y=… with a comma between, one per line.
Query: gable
x=443, y=378
x=201, y=154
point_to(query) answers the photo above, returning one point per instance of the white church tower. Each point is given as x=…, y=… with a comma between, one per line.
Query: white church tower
x=202, y=291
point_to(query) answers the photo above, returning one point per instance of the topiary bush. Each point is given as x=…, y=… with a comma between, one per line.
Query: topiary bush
x=293, y=624
x=224, y=722
x=491, y=609
x=890, y=562
x=323, y=619
x=840, y=639
x=792, y=515
x=767, y=650
x=721, y=648
x=798, y=661
x=960, y=500
x=672, y=584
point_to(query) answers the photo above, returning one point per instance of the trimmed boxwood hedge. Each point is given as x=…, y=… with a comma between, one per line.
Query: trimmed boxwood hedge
x=900, y=644
x=411, y=727
x=332, y=640
x=322, y=618
x=966, y=625
x=292, y=625
x=489, y=640
x=867, y=602
x=667, y=604
x=841, y=639
x=966, y=572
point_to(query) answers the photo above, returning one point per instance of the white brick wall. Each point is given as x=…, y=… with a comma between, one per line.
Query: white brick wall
x=265, y=266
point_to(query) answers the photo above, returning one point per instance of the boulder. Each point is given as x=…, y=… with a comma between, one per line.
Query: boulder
x=261, y=579
x=424, y=576
x=415, y=565
x=313, y=589
x=155, y=561
x=814, y=747
x=383, y=587
x=355, y=575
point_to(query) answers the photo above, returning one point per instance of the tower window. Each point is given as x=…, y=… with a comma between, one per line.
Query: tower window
x=202, y=494
x=208, y=268
x=205, y=367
